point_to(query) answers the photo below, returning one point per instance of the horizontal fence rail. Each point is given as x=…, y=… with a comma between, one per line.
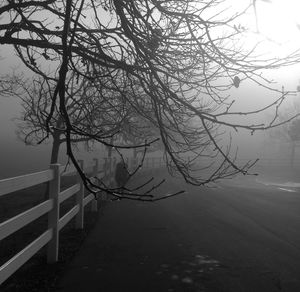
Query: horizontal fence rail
x=24, y=255
x=14, y=224
x=51, y=206
x=22, y=182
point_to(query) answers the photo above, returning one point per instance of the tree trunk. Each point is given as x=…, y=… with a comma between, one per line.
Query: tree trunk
x=55, y=149
x=109, y=148
x=53, y=158
x=293, y=154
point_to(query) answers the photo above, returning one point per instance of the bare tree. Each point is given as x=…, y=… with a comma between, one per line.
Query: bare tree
x=135, y=130
x=288, y=132
x=181, y=56
x=88, y=108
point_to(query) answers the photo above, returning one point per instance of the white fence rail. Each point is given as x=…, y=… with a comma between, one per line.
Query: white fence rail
x=51, y=207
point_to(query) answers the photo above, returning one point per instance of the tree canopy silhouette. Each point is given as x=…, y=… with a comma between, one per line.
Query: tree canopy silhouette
x=173, y=62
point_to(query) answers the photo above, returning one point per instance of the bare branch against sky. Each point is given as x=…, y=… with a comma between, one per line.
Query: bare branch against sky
x=169, y=64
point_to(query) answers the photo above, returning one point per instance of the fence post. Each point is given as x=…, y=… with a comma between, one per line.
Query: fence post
x=95, y=172
x=79, y=200
x=112, y=174
x=109, y=167
x=105, y=167
x=53, y=215
x=105, y=174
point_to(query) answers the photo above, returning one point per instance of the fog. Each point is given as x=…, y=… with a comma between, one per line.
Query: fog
x=16, y=158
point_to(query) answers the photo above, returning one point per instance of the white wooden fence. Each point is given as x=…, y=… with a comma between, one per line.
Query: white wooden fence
x=51, y=207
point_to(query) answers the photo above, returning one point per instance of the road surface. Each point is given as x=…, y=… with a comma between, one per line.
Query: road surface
x=241, y=235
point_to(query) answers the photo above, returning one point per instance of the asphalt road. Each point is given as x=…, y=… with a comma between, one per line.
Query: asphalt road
x=242, y=235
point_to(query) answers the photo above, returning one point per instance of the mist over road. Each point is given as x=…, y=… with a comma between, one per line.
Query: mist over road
x=237, y=236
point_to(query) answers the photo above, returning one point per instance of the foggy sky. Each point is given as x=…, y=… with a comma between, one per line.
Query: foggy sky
x=16, y=158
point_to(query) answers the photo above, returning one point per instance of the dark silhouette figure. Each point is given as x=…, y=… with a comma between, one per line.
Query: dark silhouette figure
x=121, y=174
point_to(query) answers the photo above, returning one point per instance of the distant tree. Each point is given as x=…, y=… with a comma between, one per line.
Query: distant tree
x=180, y=56
x=294, y=130
x=87, y=106
x=288, y=132
x=135, y=131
